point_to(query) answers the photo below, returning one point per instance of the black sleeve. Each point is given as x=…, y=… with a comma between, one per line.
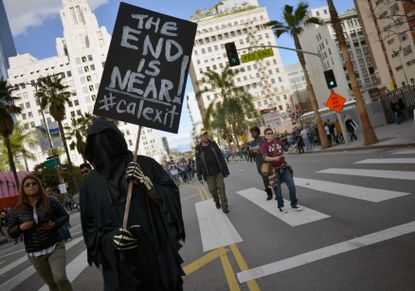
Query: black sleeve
x=13, y=224
x=198, y=165
x=59, y=212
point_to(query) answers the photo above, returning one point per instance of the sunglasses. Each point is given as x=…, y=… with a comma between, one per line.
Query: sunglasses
x=269, y=133
x=30, y=184
x=84, y=172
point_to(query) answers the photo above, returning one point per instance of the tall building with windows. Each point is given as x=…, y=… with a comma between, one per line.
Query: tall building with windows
x=7, y=48
x=322, y=39
x=81, y=54
x=241, y=22
x=389, y=29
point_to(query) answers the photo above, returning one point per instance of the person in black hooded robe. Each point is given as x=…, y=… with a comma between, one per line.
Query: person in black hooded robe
x=144, y=256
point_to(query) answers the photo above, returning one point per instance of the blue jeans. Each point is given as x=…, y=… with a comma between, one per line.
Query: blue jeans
x=287, y=177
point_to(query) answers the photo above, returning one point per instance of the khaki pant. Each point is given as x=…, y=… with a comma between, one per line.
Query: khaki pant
x=52, y=269
x=216, y=187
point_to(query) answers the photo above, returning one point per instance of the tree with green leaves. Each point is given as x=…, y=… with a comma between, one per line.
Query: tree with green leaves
x=19, y=139
x=7, y=111
x=293, y=23
x=369, y=135
x=78, y=130
x=232, y=109
x=52, y=93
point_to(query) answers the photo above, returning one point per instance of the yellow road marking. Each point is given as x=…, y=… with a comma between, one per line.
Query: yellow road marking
x=243, y=266
x=199, y=263
x=221, y=253
x=229, y=274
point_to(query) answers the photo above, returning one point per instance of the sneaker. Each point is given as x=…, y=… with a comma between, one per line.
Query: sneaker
x=297, y=208
x=282, y=209
x=226, y=210
x=217, y=205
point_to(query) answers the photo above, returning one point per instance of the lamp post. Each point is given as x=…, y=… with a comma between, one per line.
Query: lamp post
x=396, y=53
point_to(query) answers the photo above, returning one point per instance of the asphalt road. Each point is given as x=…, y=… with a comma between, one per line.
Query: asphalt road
x=356, y=232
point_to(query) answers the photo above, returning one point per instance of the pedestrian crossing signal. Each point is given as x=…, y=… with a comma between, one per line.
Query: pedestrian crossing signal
x=232, y=54
x=330, y=79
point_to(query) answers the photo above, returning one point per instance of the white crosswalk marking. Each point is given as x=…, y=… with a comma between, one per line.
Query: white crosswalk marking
x=404, y=152
x=403, y=175
x=347, y=190
x=29, y=271
x=215, y=227
x=325, y=252
x=387, y=161
x=293, y=218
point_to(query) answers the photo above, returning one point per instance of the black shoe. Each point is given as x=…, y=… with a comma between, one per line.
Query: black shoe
x=217, y=205
x=226, y=210
x=269, y=193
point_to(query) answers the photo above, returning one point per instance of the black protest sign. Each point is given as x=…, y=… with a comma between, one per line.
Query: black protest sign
x=146, y=69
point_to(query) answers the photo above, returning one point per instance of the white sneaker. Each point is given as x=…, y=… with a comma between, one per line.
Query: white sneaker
x=297, y=208
x=282, y=209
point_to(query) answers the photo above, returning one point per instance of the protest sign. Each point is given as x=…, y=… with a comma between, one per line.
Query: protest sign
x=146, y=69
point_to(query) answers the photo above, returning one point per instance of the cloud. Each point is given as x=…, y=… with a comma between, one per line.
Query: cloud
x=35, y=13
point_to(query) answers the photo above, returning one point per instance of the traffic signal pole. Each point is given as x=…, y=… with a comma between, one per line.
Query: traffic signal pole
x=338, y=115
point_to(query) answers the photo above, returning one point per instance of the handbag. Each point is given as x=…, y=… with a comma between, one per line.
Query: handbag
x=266, y=169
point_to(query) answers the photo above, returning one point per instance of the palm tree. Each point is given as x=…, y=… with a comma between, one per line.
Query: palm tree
x=79, y=128
x=294, y=23
x=51, y=92
x=369, y=135
x=235, y=103
x=18, y=140
x=7, y=110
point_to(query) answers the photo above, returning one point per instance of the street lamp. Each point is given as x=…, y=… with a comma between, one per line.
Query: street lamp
x=396, y=53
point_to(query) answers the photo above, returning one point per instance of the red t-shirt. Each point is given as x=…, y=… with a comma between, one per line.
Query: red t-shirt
x=272, y=149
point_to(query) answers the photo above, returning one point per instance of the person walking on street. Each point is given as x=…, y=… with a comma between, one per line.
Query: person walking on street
x=273, y=151
x=39, y=217
x=304, y=135
x=212, y=167
x=255, y=152
x=350, y=126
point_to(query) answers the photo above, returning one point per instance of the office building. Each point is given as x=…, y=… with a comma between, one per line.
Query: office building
x=7, y=48
x=81, y=55
x=241, y=22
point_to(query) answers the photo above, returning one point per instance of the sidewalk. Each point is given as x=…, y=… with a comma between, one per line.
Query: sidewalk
x=390, y=135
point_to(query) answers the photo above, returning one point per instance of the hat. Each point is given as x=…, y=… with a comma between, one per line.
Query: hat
x=203, y=132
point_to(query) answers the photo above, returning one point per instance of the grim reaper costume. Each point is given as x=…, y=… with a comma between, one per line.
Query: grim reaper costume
x=155, y=263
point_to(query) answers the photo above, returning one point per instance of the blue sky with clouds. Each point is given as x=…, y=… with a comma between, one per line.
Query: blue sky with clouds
x=36, y=24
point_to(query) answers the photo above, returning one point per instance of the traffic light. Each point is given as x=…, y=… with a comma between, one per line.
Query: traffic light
x=330, y=79
x=232, y=54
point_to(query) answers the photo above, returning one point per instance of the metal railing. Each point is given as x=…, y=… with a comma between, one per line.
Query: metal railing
x=408, y=96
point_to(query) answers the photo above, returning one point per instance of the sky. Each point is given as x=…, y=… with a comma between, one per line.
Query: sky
x=36, y=24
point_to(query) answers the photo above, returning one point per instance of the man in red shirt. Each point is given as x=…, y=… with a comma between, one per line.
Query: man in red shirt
x=273, y=152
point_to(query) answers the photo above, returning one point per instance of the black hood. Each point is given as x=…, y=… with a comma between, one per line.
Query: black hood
x=108, y=152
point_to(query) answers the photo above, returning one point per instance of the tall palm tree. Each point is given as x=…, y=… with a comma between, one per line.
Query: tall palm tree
x=234, y=103
x=369, y=135
x=7, y=110
x=294, y=22
x=78, y=130
x=18, y=140
x=51, y=92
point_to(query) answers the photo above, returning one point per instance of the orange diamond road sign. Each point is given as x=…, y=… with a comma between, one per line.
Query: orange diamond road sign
x=335, y=102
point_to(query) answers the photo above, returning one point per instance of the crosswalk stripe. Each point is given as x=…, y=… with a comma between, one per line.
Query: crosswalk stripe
x=29, y=271
x=402, y=175
x=352, y=191
x=387, y=161
x=293, y=218
x=325, y=252
x=215, y=227
x=404, y=152
x=73, y=269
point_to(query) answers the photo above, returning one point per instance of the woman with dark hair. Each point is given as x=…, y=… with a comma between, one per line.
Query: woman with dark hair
x=38, y=217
